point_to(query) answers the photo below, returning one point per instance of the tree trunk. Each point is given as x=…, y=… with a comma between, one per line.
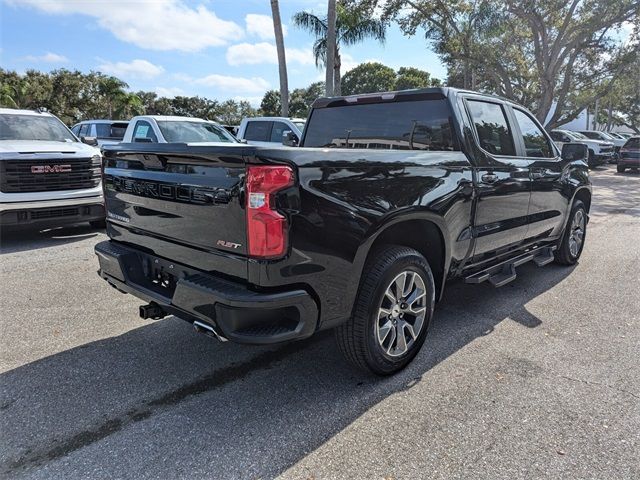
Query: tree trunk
x=331, y=49
x=595, y=114
x=609, y=116
x=337, y=77
x=282, y=60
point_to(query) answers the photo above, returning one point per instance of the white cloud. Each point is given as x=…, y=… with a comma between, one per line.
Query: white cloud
x=261, y=26
x=169, y=92
x=238, y=85
x=47, y=58
x=134, y=69
x=150, y=24
x=264, y=52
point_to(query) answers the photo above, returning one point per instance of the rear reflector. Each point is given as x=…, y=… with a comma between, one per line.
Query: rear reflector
x=266, y=227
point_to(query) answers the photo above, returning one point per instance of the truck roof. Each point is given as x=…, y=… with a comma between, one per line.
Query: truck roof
x=172, y=118
x=399, y=95
x=17, y=111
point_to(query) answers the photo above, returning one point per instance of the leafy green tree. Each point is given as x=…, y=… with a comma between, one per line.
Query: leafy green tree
x=303, y=98
x=354, y=25
x=270, y=105
x=368, y=78
x=411, y=77
x=538, y=52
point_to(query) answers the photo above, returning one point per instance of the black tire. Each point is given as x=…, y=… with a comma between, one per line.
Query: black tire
x=620, y=169
x=591, y=159
x=564, y=254
x=101, y=224
x=358, y=337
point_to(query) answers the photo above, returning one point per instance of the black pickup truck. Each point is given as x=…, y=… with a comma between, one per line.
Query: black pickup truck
x=387, y=197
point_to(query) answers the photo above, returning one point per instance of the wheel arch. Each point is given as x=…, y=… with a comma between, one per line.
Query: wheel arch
x=426, y=234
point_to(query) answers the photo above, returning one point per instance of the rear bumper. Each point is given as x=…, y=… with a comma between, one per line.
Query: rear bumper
x=236, y=312
x=51, y=212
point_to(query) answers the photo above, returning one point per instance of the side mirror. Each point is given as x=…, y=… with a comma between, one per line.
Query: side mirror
x=290, y=139
x=142, y=140
x=93, y=141
x=575, y=151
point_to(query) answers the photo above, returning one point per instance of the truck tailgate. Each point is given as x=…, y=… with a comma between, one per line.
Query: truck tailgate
x=179, y=202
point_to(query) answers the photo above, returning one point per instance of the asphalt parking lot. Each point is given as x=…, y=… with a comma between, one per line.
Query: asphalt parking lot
x=538, y=379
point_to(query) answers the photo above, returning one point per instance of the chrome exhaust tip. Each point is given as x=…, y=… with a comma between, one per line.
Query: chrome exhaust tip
x=208, y=330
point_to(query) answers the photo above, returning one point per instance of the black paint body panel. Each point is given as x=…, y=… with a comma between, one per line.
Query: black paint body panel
x=342, y=201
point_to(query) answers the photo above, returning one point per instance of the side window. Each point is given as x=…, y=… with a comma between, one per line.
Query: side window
x=76, y=130
x=492, y=127
x=257, y=131
x=277, y=130
x=85, y=129
x=535, y=141
x=144, y=130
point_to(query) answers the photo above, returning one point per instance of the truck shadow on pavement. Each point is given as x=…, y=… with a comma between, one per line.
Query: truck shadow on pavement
x=12, y=241
x=162, y=402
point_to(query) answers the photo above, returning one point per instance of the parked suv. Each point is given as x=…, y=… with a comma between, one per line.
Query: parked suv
x=47, y=177
x=630, y=155
x=269, y=131
x=104, y=131
x=356, y=229
x=599, y=151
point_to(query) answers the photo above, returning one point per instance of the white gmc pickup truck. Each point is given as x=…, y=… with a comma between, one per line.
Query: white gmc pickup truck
x=47, y=176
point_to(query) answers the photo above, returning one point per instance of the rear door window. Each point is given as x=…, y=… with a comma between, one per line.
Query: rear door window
x=535, y=141
x=258, y=131
x=632, y=143
x=492, y=127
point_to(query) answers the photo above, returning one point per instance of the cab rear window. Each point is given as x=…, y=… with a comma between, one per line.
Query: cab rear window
x=401, y=125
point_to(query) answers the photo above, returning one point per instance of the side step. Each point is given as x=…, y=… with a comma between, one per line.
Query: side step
x=505, y=272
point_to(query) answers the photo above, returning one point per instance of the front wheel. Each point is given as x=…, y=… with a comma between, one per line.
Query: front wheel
x=621, y=169
x=392, y=313
x=572, y=242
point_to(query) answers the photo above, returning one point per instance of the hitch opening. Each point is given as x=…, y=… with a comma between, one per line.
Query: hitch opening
x=152, y=311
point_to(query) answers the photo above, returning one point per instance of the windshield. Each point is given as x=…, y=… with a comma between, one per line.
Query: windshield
x=32, y=127
x=187, y=132
x=577, y=136
x=401, y=125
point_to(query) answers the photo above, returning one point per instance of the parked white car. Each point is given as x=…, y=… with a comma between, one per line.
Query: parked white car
x=605, y=137
x=168, y=129
x=47, y=177
x=599, y=151
x=269, y=131
x=106, y=132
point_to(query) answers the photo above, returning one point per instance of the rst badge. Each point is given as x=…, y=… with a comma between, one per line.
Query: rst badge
x=50, y=168
x=224, y=243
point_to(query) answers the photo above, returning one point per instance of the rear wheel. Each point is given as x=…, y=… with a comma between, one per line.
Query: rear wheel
x=621, y=169
x=572, y=243
x=591, y=159
x=392, y=313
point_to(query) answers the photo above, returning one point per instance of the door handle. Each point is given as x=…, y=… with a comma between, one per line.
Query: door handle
x=489, y=178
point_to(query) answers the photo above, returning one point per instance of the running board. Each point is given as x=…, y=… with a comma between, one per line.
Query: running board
x=505, y=272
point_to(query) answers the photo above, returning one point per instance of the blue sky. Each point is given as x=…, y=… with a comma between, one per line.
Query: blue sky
x=212, y=48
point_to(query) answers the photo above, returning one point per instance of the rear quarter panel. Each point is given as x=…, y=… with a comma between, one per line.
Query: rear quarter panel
x=346, y=199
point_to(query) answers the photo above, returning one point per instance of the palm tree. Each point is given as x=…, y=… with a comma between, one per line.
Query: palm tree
x=282, y=60
x=128, y=105
x=112, y=90
x=331, y=47
x=353, y=25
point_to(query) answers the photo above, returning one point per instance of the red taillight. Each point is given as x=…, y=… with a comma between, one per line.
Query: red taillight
x=266, y=227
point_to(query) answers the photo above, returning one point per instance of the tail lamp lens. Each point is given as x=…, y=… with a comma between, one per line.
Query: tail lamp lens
x=266, y=227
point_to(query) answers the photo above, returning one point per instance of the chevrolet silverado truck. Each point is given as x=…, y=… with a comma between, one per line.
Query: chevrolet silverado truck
x=47, y=176
x=388, y=197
